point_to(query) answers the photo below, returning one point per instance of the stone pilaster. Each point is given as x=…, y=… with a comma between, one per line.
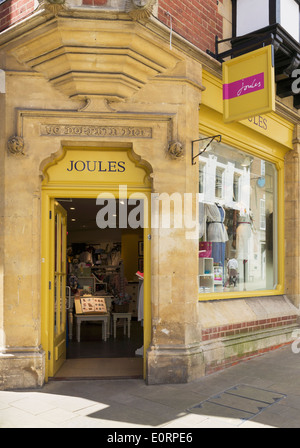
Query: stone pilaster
x=292, y=221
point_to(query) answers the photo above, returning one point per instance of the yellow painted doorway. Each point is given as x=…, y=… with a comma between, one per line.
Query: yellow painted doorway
x=85, y=173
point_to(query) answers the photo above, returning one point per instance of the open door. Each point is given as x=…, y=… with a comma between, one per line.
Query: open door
x=57, y=289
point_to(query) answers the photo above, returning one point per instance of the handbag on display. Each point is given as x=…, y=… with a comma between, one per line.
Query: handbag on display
x=205, y=249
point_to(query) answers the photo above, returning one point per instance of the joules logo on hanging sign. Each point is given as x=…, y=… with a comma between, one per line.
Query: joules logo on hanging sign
x=243, y=86
x=249, y=85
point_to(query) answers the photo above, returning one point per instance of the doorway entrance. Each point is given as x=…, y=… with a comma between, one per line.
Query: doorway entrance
x=84, y=262
x=103, y=263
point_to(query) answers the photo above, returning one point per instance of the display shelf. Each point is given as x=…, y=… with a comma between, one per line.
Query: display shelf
x=206, y=282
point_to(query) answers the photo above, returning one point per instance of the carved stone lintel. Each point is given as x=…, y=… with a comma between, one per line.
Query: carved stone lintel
x=139, y=9
x=73, y=130
x=15, y=145
x=175, y=150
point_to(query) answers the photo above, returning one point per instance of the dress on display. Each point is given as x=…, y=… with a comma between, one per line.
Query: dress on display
x=217, y=232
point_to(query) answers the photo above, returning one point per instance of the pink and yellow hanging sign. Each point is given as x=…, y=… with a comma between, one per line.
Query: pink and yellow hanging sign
x=249, y=85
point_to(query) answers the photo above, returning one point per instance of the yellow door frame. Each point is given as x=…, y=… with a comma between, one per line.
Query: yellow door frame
x=57, y=285
x=77, y=190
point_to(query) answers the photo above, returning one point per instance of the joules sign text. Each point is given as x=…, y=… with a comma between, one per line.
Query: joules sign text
x=110, y=166
x=243, y=86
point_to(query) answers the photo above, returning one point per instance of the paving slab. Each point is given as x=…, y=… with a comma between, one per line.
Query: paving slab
x=263, y=392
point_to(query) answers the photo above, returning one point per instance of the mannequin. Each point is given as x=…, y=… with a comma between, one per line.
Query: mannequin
x=217, y=232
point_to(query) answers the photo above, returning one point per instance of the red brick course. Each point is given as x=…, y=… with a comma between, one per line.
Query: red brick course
x=12, y=11
x=246, y=327
x=198, y=21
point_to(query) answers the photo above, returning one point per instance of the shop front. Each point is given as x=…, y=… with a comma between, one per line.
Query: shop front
x=245, y=218
x=72, y=142
x=99, y=184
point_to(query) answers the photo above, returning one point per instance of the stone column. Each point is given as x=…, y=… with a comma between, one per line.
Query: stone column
x=22, y=359
x=175, y=355
x=292, y=221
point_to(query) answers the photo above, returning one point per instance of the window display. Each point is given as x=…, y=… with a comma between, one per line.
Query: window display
x=237, y=212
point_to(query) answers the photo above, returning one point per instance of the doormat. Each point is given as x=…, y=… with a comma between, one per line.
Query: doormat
x=100, y=368
x=240, y=402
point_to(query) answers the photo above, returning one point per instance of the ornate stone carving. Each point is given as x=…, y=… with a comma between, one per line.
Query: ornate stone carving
x=140, y=9
x=175, y=150
x=81, y=67
x=53, y=6
x=15, y=145
x=95, y=131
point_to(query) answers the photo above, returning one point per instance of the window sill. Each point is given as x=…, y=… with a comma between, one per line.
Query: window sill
x=239, y=294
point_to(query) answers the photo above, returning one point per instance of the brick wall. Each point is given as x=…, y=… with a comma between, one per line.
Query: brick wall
x=12, y=11
x=244, y=329
x=198, y=21
x=247, y=327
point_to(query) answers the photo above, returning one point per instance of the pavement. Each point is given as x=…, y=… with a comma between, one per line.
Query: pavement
x=263, y=392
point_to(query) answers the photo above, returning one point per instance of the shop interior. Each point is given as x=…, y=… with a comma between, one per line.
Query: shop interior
x=104, y=292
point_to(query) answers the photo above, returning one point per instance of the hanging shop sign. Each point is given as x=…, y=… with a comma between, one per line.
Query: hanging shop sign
x=249, y=85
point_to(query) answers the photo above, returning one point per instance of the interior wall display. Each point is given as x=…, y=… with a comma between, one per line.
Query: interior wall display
x=238, y=215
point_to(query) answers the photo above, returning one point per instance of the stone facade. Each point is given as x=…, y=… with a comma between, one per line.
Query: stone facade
x=72, y=79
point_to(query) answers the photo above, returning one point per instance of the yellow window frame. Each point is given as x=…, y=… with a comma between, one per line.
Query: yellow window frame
x=244, y=136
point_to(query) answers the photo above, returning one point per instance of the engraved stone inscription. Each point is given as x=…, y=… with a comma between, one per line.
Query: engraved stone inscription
x=95, y=131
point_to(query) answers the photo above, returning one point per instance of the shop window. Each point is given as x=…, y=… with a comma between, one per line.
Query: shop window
x=237, y=219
